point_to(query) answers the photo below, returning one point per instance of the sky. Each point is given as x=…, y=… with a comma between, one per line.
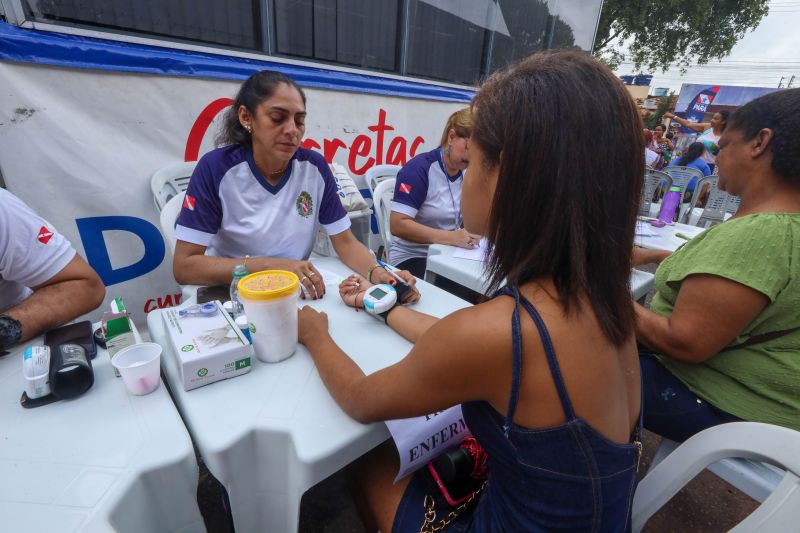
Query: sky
x=760, y=59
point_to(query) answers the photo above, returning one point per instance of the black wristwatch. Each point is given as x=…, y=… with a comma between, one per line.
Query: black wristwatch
x=10, y=331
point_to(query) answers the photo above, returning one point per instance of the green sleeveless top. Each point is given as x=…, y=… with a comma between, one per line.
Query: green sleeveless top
x=760, y=382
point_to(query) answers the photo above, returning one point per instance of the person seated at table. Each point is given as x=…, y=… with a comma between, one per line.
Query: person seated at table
x=427, y=195
x=257, y=199
x=710, y=133
x=44, y=283
x=722, y=334
x=562, y=444
x=693, y=158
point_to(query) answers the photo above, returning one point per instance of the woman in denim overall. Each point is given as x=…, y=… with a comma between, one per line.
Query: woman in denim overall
x=553, y=393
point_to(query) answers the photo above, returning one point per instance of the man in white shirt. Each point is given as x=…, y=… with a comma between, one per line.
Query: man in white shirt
x=43, y=281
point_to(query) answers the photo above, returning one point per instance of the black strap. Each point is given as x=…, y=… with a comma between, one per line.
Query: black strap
x=764, y=337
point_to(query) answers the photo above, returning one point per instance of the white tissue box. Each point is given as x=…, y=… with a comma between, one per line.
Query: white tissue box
x=207, y=349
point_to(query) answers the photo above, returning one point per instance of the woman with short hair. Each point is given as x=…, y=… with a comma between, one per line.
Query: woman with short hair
x=723, y=329
x=710, y=132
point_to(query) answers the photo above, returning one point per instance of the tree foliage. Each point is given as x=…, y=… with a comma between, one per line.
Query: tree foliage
x=664, y=33
x=655, y=118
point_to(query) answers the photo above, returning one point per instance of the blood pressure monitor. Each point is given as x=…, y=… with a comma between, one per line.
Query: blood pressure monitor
x=380, y=299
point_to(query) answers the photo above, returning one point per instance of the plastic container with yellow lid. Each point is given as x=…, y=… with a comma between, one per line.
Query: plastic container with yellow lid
x=270, y=304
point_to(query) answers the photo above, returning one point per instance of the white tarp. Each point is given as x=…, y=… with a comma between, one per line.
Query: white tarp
x=79, y=146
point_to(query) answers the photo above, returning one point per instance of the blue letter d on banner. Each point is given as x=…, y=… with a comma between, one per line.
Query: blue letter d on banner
x=91, y=231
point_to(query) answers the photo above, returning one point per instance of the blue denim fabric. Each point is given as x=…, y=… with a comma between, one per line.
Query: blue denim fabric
x=670, y=408
x=564, y=478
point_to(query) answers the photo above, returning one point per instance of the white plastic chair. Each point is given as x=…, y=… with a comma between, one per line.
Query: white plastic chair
x=382, y=198
x=169, y=214
x=681, y=177
x=714, y=210
x=776, y=445
x=754, y=478
x=379, y=173
x=169, y=181
x=652, y=181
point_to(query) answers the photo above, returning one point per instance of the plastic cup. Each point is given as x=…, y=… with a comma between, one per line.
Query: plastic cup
x=139, y=365
x=270, y=304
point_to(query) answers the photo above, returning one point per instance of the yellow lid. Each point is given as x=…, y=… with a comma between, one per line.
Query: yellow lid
x=268, y=285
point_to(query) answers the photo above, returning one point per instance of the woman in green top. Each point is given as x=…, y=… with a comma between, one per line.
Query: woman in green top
x=723, y=328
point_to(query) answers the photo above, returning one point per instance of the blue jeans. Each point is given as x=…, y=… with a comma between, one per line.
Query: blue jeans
x=670, y=408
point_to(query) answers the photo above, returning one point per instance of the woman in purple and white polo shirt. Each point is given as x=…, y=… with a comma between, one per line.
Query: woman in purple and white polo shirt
x=257, y=199
x=426, y=208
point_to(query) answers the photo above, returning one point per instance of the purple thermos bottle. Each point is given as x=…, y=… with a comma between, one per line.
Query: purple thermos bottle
x=670, y=205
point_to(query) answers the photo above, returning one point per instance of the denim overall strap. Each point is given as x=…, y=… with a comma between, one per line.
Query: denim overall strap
x=550, y=352
x=516, y=371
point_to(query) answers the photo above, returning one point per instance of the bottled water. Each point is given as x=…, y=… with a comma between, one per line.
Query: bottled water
x=239, y=271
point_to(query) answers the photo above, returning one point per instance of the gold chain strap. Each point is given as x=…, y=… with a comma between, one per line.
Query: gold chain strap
x=430, y=512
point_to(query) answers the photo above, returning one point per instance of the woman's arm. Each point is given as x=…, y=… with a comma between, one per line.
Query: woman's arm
x=410, y=324
x=696, y=126
x=447, y=366
x=356, y=256
x=709, y=313
x=407, y=228
x=191, y=266
x=644, y=256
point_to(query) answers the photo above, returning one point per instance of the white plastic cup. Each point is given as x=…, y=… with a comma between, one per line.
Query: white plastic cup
x=270, y=304
x=139, y=365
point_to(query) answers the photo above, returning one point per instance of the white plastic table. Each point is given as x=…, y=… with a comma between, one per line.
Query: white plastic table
x=470, y=274
x=271, y=434
x=665, y=239
x=105, y=461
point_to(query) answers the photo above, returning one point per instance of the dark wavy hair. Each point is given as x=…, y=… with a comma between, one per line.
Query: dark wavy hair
x=257, y=88
x=694, y=151
x=725, y=114
x=563, y=209
x=779, y=112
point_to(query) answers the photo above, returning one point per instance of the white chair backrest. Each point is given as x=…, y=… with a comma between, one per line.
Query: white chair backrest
x=378, y=173
x=709, y=183
x=751, y=440
x=167, y=219
x=168, y=181
x=714, y=210
x=652, y=181
x=732, y=204
x=382, y=199
x=681, y=176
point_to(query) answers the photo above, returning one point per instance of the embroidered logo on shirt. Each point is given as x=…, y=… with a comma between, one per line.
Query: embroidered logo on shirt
x=188, y=202
x=405, y=187
x=304, y=205
x=44, y=235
